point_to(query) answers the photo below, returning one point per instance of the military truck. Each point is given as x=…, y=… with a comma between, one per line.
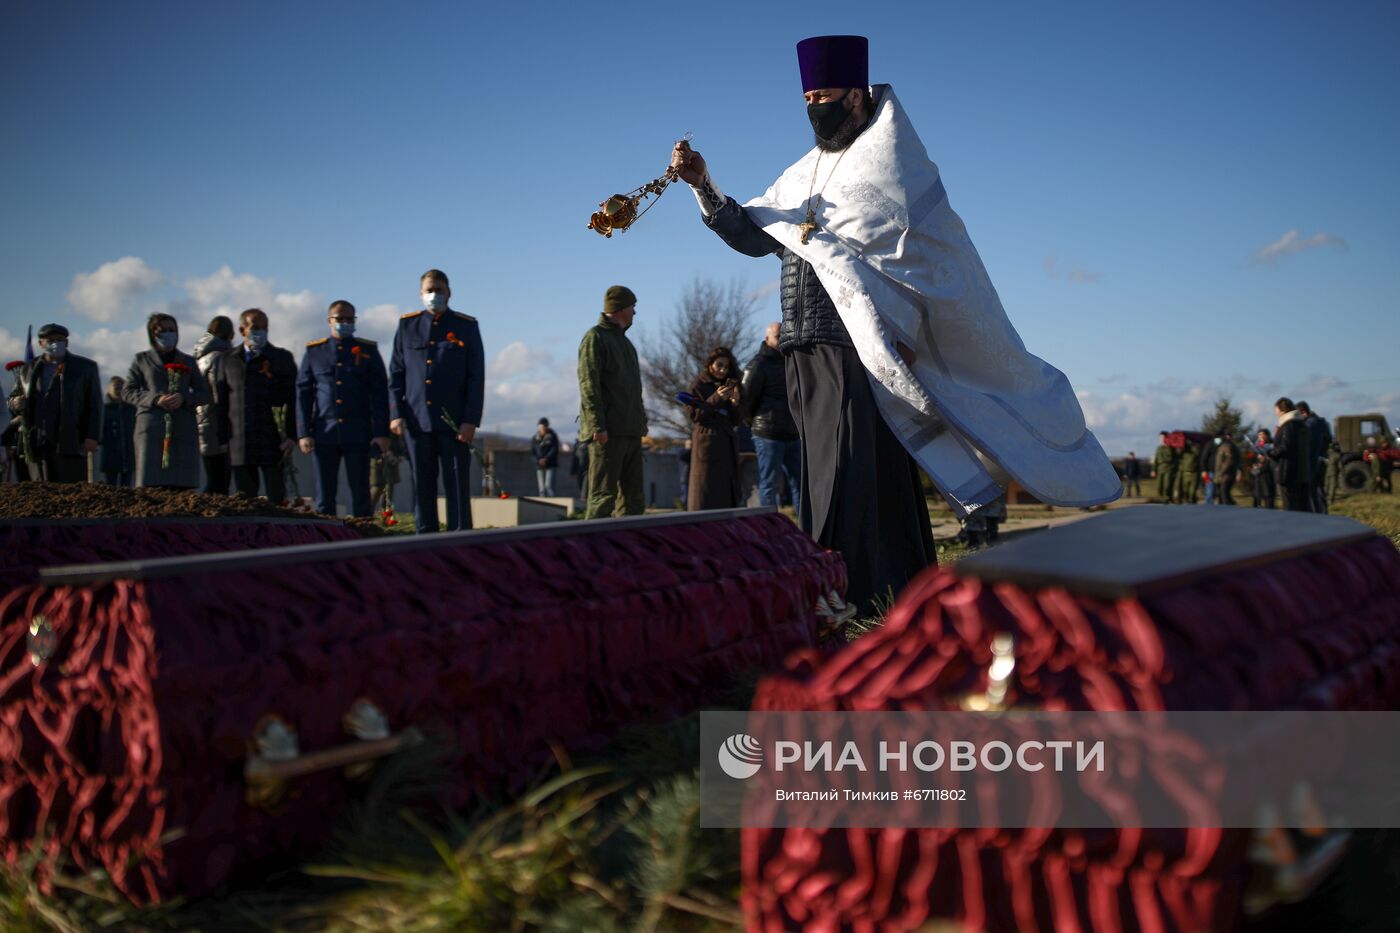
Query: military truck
x=1352, y=433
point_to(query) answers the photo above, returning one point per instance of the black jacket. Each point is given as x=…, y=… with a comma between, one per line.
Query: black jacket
x=764, y=401
x=118, y=437
x=79, y=406
x=248, y=393
x=1293, y=451
x=809, y=317
x=545, y=448
x=1319, y=436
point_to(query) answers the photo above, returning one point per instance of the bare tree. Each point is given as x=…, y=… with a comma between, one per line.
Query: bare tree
x=709, y=315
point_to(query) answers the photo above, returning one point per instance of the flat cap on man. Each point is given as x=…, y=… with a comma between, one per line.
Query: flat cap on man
x=53, y=332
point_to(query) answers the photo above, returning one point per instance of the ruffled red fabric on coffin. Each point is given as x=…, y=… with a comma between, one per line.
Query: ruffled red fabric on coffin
x=1315, y=632
x=138, y=724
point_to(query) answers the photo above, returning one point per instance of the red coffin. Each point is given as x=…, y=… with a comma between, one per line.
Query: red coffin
x=1149, y=608
x=129, y=715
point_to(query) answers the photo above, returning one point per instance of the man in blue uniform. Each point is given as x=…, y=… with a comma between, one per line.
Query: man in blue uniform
x=436, y=389
x=342, y=405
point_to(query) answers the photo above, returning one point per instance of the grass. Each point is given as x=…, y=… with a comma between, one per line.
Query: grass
x=605, y=844
x=609, y=843
x=1379, y=510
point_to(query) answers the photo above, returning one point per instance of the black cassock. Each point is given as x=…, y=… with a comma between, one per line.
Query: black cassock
x=861, y=491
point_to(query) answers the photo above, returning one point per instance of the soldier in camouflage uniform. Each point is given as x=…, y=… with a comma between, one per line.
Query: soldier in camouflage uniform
x=611, y=414
x=384, y=475
x=1189, y=481
x=1164, y=464
x=1332, y=489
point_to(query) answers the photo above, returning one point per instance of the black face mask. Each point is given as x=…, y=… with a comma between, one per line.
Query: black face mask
x=827, y=118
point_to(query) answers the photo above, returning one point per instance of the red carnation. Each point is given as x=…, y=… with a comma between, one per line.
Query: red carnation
x=13, y=365
x=452, y=338
x=175, y=374
x=505, y=495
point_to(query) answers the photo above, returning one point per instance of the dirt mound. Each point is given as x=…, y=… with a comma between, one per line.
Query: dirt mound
x=85, y=500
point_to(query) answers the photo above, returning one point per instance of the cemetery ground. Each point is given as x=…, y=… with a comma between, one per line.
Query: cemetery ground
x=609, y=842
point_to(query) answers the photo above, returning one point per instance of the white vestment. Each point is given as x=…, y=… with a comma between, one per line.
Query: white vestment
x=899, y=267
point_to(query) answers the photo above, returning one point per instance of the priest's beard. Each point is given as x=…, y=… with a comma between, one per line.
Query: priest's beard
x=845, y=134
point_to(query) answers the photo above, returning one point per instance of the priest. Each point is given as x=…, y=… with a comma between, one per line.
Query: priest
x=897, y=351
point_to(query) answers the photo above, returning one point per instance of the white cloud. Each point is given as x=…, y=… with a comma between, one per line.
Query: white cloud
x=518, y=359
x=1293, y=242
x=379, y=322
x=1130, y=418
x=101, y=294
x=294, y=317
x=515, y=406
x=11, y=346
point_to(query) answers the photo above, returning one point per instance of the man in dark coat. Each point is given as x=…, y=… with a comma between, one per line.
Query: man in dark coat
x=544, y=447
x=437, y=387
x=1319, y=439
x=1132, y=475
x=342, y=408
x=58, y=398
x=611, y=413
x=256, y=389
x=764, y=406
x=118, y=435
x=861, y=491
x=1293, y=452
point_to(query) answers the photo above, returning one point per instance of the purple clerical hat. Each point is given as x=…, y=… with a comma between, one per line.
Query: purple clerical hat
x=834, y=61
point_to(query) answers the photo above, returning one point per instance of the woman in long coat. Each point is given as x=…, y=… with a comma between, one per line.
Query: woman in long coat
x=714, y=454
x=148, y=388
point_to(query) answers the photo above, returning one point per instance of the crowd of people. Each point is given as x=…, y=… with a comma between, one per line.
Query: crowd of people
x=1297, y=464
x=237, y=407
x=721, y=403
x=846, y=399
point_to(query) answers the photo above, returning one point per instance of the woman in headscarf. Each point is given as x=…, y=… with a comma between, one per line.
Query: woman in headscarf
x=714, y=454
x=149, y=388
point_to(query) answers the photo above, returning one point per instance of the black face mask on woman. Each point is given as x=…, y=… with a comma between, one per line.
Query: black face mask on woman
x=827, y=118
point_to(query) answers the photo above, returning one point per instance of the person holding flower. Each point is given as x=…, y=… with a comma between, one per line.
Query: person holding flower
x=59, y=401
x=342, y=408
x=256, y=391
x=165, y=385
x=437, y=385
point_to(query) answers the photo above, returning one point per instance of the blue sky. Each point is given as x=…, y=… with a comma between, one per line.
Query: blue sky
x=1172, y=202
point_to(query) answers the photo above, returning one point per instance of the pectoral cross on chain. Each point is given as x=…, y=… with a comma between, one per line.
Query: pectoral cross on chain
x=808, y=226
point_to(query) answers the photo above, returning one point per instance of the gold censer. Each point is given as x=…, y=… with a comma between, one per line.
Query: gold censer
x=620, y=211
